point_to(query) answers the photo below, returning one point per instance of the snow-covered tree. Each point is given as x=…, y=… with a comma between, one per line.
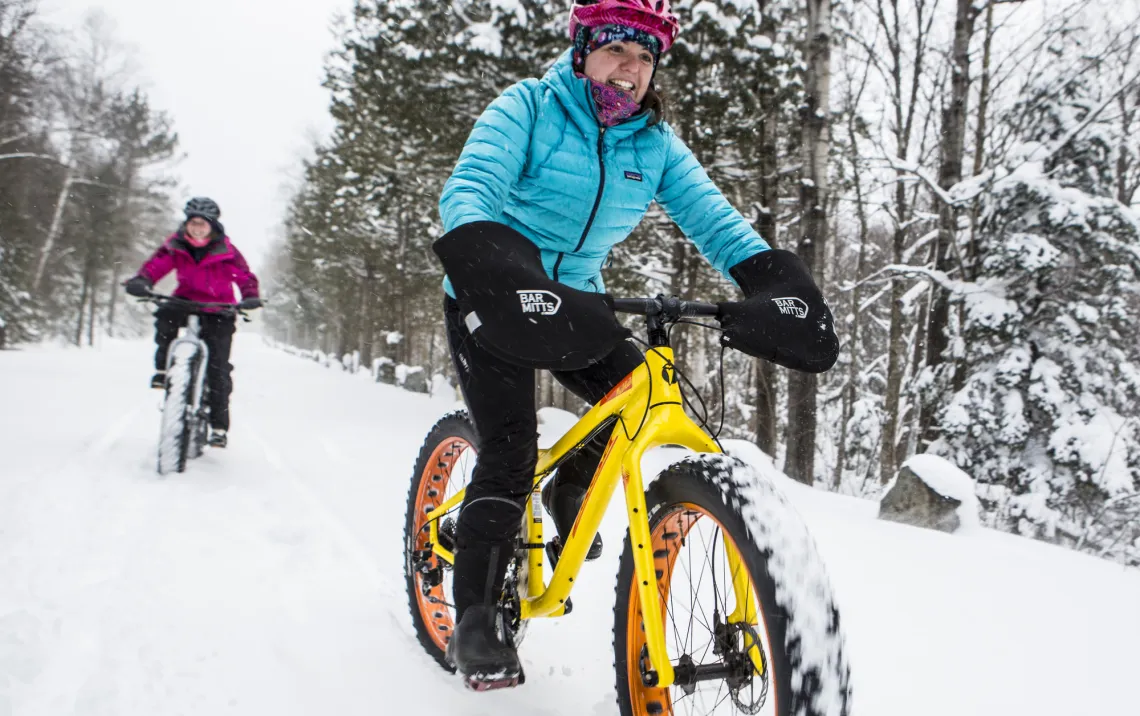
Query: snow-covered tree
x=1047, y=419
x=78, y=199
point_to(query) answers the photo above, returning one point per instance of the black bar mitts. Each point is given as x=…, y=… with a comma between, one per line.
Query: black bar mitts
x=783, y=318
x=514, y=310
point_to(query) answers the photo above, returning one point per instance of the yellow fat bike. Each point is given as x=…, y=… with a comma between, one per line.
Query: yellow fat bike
x=723, y=604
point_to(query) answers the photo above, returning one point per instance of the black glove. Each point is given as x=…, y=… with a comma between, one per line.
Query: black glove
x=248, y=304
x=138, y=286
x=784, y=318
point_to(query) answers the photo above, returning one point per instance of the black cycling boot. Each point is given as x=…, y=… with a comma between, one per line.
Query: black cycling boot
x=478, y=648
x=479, y=651
x=562, y=502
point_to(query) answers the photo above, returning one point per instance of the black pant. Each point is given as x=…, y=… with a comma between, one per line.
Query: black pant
x=500, y=398
x=217, y=332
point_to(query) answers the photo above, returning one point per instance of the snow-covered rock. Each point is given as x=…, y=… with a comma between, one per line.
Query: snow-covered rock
x=384, y=370
x=931, y=492
x=413, y=378
x=441, y=386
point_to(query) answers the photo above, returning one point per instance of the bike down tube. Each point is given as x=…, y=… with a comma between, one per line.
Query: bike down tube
x=551, y=602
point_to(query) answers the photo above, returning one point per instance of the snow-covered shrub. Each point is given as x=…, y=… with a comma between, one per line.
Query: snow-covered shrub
x=861, y=447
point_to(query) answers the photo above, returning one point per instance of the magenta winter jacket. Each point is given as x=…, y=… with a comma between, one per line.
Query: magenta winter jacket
x=210, y=281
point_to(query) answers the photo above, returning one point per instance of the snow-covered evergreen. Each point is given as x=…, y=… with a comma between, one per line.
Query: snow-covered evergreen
x=1047, y=416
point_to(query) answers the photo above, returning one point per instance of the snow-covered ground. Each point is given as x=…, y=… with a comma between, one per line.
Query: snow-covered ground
x=267, y=579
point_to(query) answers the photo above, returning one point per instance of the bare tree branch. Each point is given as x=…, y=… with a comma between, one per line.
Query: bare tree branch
x=33, y=155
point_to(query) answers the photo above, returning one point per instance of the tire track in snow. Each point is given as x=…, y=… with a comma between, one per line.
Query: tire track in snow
x=98, y=443
x=352, y=546
x=107, y=439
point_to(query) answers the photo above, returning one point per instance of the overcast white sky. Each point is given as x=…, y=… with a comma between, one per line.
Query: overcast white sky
x=241, y=80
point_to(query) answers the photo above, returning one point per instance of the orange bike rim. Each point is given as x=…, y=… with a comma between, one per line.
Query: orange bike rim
x=667, y=539
x=431, y=494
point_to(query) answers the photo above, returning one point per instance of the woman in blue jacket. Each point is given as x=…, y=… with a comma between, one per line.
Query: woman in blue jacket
x=571, y=162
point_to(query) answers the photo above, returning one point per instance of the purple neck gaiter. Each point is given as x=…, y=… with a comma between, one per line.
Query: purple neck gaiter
x=612, y=106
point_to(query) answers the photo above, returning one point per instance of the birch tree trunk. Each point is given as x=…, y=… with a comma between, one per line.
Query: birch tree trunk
x=850, y=390
x=402, y=272
x=894, y=371
x=56, y=228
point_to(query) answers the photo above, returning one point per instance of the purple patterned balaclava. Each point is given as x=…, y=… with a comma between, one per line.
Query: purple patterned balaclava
x=611, y=105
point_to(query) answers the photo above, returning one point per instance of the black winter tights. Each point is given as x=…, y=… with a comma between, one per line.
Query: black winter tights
x=500, y=398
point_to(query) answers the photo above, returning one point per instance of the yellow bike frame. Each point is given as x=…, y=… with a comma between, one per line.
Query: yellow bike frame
x=647, y=410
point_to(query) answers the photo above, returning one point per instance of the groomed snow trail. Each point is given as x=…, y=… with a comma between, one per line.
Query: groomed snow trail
x=267, y=579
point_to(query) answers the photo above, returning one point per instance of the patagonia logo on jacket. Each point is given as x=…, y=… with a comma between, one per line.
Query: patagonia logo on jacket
x=633, y=175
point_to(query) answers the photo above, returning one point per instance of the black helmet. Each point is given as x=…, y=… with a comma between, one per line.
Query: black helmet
x=204, y=207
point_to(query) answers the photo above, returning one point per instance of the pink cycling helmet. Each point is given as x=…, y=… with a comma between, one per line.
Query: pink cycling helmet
x=652, y=16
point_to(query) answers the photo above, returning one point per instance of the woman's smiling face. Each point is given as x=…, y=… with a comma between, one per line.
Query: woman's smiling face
x=198, y=231
x=625, y=65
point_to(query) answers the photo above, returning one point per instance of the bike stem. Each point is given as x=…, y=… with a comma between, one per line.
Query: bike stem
x=657, y=322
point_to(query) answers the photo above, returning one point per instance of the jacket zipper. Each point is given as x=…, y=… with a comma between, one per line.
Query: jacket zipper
x=597, y=201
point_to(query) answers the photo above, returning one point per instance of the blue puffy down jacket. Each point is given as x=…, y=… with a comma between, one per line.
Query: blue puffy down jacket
x=538, y=162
